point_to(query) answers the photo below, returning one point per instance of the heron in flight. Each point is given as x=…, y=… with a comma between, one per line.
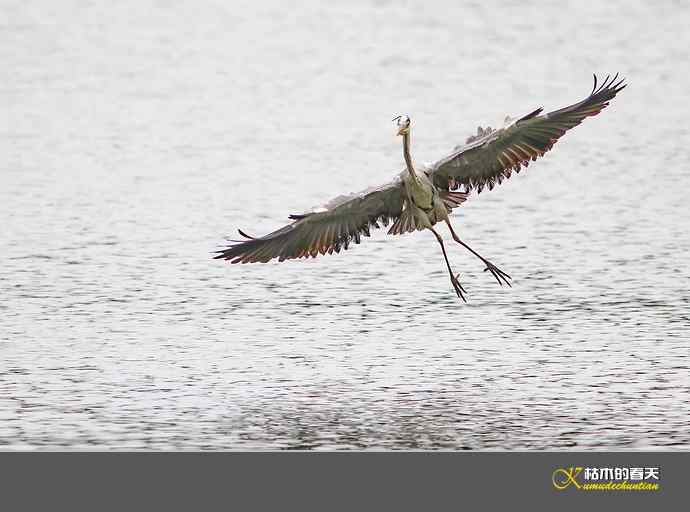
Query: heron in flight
x=422, y=196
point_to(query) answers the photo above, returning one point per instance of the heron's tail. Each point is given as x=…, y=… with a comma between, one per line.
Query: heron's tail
x=411, y=219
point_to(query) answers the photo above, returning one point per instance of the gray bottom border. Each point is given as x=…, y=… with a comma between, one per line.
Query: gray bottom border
x=327, y=481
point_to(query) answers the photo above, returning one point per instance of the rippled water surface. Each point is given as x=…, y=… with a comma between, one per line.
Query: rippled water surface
x=137, y=136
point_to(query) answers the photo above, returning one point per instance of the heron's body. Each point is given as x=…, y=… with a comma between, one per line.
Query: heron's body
x=420, y=192
x=421, y=197
x=422, y=206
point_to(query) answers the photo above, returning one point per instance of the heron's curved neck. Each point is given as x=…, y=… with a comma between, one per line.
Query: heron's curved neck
x=408, y=157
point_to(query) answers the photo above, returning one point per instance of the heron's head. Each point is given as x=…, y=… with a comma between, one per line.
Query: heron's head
x=403, y=124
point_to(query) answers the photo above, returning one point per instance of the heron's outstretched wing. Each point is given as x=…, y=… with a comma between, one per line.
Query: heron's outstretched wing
x=492, y=155
x=327, y=229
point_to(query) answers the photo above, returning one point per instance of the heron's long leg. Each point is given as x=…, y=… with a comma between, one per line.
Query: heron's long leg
x=453, y=278
x=498, y=274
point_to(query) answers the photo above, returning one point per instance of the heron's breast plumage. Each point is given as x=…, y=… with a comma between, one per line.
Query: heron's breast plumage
x=420, y=191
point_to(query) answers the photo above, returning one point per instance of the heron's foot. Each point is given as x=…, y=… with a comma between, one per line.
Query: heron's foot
x=498, y=274
x=459, y=290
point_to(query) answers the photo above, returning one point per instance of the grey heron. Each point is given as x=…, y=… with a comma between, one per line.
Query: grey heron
x=422, y=196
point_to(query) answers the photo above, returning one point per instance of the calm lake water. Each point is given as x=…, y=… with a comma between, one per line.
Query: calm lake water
x=137, y=136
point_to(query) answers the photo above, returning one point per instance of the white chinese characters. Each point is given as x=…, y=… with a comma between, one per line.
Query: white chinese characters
x=621, y=473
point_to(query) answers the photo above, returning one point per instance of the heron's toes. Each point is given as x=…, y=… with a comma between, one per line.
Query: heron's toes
x=500, y=276
x=459, y=290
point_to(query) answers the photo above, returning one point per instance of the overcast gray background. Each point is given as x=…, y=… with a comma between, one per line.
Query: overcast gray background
x=135, y=136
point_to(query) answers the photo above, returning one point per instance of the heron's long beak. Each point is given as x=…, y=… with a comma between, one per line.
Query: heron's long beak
x=402, y=129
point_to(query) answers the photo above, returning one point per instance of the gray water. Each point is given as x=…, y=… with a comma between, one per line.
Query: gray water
x=137, y=136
